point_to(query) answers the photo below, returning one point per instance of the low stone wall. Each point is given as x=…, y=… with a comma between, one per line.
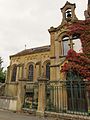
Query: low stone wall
x=64, y=116
x=8, y=103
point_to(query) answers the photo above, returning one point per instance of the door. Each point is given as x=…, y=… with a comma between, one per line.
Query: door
x=76, y=92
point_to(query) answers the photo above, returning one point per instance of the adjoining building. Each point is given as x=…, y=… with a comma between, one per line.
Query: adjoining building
x=34, y=77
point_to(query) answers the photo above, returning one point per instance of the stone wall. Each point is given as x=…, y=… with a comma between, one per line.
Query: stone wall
x=8, y=103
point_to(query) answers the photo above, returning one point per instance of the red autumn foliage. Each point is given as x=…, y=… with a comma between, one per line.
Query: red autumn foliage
x=79, y=62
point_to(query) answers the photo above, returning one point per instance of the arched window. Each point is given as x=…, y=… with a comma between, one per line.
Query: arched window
x=77, y=45
x=48, y=71
x=74, y=43
x=14, y=72
x=66, y=47
x=30, y=72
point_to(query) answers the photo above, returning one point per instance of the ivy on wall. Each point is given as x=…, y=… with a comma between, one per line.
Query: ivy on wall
x=79, y=62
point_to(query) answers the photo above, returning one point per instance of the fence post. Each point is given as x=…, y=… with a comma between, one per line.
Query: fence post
x=41, y=96
x=88, y=96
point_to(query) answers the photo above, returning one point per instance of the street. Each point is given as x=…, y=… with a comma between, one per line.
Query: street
x=9, y=115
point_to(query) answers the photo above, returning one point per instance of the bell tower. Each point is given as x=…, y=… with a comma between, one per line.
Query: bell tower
x=87, y=12
x=68, y=12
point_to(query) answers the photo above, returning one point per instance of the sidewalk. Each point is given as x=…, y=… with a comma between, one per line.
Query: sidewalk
x=9, y=115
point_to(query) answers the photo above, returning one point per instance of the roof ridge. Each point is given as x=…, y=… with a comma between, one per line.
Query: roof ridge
x=32, y=50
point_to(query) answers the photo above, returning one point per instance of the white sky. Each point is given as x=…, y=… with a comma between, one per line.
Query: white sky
x=27, y=22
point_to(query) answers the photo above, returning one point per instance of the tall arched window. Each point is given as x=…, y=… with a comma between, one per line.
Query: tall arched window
x=30, y=72
x=48, y=71
x=77, y=45
x=65, y=43
x=14, y=72
x=74, y=43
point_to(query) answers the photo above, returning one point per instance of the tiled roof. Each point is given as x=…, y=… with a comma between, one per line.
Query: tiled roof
x=32, y=51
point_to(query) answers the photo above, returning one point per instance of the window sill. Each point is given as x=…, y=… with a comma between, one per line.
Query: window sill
x=12, y=83
x=62, y=56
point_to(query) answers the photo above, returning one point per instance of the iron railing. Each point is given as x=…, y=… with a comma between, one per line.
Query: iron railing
x=68, y=96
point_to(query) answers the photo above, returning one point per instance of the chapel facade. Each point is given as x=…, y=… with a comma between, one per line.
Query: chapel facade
x=29, y=69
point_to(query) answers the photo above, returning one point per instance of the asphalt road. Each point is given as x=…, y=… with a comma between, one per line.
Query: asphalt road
x=9, y=115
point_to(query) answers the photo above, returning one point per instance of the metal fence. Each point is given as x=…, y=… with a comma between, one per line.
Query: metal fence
x=68, y=96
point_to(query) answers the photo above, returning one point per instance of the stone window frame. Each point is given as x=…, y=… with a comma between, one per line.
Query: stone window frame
x=48, y=70
x=45, y=69
x=65, y=39
x=70, y=42
x=30, y=72
x=14, y=73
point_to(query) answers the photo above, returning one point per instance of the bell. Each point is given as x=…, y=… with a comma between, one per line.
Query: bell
x=68, y=13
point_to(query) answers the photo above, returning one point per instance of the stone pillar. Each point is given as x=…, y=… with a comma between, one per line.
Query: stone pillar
x=20, y=94
x=20, y=72
x=41, y=96
x=17, y=73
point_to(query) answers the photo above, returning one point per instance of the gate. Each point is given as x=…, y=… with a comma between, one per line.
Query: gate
x=31, y=96
x=76, y=92
x=68, y=96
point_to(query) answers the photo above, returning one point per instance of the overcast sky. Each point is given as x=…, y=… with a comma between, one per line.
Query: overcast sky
x=27, y=22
